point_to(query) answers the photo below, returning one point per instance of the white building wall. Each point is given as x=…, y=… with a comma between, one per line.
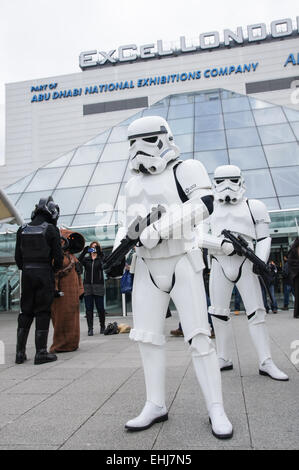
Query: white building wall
x=39, y=132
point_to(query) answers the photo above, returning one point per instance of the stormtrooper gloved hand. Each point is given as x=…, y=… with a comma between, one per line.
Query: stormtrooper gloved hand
x=227, y=247
x=149, y=237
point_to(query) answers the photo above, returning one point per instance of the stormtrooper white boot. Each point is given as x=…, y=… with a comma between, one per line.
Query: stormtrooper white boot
x=206, y=367
x=260, y=338
x=224, y=339
x=154, y=410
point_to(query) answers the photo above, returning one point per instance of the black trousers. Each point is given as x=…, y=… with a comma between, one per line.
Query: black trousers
x=37, y=297
x=98, y=300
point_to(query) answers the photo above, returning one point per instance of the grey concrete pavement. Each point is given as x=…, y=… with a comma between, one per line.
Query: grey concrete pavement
x=83, y=400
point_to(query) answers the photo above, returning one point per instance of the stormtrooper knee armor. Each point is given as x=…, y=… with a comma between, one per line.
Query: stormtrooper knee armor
x=249, y=218
x=169, y=265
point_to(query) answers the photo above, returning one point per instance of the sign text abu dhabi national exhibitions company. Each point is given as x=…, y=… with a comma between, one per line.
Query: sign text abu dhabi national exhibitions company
x=130, y=52
x=51, y=91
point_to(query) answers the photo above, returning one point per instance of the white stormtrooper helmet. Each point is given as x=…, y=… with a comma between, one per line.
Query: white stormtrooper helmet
x=228, y=184
x=151, y=145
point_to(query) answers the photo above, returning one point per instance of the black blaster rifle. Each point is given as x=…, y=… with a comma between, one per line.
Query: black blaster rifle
x=260, y=268
x=117, y=256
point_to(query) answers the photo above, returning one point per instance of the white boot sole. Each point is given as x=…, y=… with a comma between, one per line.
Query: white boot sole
x=221, y=436
x=159, y=419
x=262, y=372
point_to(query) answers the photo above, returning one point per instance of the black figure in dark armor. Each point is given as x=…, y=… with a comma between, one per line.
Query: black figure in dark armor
x=38, y=254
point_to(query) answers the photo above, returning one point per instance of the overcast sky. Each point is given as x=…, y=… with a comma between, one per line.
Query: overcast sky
x=41, y=38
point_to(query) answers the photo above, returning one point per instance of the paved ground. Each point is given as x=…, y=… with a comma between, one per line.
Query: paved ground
x=83, y=400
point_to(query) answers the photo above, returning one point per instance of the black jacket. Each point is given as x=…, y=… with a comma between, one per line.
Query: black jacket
x=93, y=268
x=53, y=239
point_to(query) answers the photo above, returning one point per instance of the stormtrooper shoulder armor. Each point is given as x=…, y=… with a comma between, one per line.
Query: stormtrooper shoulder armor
x=259, y=211
x=261, y=218
x=193, y=176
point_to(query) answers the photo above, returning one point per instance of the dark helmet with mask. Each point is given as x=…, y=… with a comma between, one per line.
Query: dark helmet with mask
x=47, y=208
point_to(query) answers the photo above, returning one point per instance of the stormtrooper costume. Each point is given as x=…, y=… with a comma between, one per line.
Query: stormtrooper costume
x=249, y=218
x=169, y=265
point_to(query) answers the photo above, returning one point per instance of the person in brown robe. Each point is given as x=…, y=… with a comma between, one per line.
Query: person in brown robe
x=66, y=307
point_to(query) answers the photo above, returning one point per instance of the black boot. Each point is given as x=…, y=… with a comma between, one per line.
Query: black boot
x=42, y=356
x=89, y=317
x=102, y=322
x=22, y=335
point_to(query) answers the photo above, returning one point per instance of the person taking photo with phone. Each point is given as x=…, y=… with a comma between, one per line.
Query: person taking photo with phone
x=91, y=259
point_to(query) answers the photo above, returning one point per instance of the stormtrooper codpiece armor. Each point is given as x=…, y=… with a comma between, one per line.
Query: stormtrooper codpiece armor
x=169, y=265
x=248, y=218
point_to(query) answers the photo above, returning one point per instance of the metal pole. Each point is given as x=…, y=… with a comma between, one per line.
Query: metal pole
x=124, y=305
x=7, y=295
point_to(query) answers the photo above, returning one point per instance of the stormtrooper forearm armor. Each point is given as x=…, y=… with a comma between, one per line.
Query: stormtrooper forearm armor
x=191, y=213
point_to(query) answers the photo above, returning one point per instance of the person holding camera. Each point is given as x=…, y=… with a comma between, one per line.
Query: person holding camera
x=91, y=259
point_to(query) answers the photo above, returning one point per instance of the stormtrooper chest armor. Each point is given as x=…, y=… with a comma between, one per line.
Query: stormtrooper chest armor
x=234, y=217
x=145, y=191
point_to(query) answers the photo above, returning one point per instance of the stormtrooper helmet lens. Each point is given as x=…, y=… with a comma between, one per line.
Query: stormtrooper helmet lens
x=151, y=145
x=228, y=184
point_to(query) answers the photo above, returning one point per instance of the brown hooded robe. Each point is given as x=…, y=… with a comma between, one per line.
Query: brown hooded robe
x=66, y=309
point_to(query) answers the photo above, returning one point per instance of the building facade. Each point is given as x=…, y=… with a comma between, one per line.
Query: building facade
x=232, y=102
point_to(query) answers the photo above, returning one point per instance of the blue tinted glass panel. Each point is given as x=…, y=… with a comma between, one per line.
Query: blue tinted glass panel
x=276, y=134
x=99, y=139
x=258, y=104
x=118, y=134
x=87, y=154
x=282, y=154
x=99, y=198
x=45, y=179
x=156, y=112
x=248, y=158
x=291, y=202
x=14, y=197
x=19, y=186
x=291, y=114
x=184, y=142
x=92, y=219
x=212, y=159
x=211, y=122
x=68, y=199
x=181, y=99
x=128, y=173
x=271, y=203
x=286, y=181
x=130, y=119
x=210, y=140
x=295, y=127
x=269, y=116
x=181, y=126
x=186, y=156
x=207, y=107
x=236, y=120
x=235, y=104
x=76, y=176
x=109, y=173
x=258, y=184
x=27, y=202
x=62, y=161
x=181, y=111
x=118, y=151
x=245, y=137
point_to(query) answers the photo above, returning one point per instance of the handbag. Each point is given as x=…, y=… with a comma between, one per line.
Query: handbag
x=126, y=282
x=111, y=329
